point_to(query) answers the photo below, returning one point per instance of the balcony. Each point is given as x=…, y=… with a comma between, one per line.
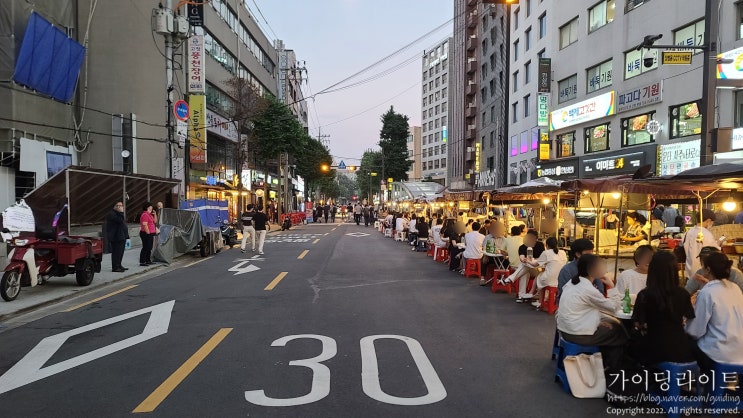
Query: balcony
x=471, y=21
x=471, y=43
x=471, y=67
x=472, y=3
x=470, y=89
x=471, y=134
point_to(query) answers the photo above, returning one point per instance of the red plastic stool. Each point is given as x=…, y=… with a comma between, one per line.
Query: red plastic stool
x=501, y=274
x=472, y=267
x=431, y=249
x=441, y=254
x=549, y=300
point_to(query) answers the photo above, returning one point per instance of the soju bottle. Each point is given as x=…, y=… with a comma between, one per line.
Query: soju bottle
x=626, y=302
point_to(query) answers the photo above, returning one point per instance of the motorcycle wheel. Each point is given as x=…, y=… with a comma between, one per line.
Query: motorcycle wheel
x=84, y=275
x=10, y=285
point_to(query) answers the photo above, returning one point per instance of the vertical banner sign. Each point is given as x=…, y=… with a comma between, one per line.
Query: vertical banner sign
x=545, y=75
x=196, y=76
x=544, y=145
x=197, y=129
x=196, y=14
x=543, y=110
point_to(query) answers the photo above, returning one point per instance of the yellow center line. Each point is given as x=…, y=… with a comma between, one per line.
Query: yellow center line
x=304, y=253
x=316, y=241
x=99, y=298
x=276, y=281
x=178, y=376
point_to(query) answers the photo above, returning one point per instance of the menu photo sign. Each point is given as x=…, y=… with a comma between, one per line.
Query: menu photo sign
x=677, y=157
x=642, y=96
x=593, y=108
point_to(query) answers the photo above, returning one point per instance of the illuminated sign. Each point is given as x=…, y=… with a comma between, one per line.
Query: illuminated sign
x=543, y=110
x=733, y=70
x=593, y=108
x=677, y=157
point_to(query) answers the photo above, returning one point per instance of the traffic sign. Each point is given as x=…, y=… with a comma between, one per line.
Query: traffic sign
x=181, y=110
x=342, y=166
x=676, y=57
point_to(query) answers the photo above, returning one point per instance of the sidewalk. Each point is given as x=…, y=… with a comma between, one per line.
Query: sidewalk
x=63, y=287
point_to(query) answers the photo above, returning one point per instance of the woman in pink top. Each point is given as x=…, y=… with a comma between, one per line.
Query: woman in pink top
x=147, y=231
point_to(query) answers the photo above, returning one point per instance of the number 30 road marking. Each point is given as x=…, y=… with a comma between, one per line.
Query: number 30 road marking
x=369, y=373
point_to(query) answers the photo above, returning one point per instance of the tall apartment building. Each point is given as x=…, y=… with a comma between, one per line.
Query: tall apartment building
x=291, y=74
x=122, y=87
x=435, y=105
x=530, y=43
x=492, y=101
x=613, y=108
x=414, y=153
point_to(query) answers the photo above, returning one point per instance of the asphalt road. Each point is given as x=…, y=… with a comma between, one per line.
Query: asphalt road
x=393, y=334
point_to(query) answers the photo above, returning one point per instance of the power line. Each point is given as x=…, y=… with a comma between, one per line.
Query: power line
x=264, y=19
x=375, y=106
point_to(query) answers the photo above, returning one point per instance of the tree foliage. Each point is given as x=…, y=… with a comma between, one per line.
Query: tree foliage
x=393, y=141
x=371, y=162
x=247, y=106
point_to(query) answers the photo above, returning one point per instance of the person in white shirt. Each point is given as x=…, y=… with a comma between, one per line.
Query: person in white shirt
x=718, y=323
x=495, y=242
x=636, y=279
x=552, y=260
x=412, y=232
x=512, y=246
x=579, y=317
x=436, y=233
x=473, y=246
x=695, y=239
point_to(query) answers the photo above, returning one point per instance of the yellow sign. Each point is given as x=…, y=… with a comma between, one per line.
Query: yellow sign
x=197, y=128
x=544, y=145
x=477, y=157
x=677, y=57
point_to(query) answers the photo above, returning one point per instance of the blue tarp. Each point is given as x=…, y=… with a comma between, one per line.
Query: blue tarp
x=212, y=212
x=49, y=61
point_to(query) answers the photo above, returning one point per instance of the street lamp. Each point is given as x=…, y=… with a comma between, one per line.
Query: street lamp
x=371, y=174
x=324, y=168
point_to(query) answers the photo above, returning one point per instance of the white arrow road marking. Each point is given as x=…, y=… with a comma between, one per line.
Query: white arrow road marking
x=30, y=368
x=239, y=269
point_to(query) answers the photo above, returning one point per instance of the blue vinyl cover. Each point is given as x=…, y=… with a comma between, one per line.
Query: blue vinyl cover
x=48, y=61
x=212, y=212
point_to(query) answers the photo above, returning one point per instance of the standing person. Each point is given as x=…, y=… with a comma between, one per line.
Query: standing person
x=326, y=212
x=697, y=238
x=156, y=213
x=333, y=210
x=117, y=232
x=147, y=233
x=262, y=226
x=611, y=220
x=357, y=212
x=247, y=220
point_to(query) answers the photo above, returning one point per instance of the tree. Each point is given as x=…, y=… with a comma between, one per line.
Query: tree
x=394, y=136
x=347, y=187
x=277, y=131
x=371, y=162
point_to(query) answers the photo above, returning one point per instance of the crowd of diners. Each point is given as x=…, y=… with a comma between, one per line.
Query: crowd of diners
x=679, y=315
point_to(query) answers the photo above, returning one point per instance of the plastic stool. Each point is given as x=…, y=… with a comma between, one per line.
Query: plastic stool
x=388, y=233
x=674, y=372
x=421, y=245
x=472, y=267
x=721, y=371
x=501, y=274
x=548, y=303
x=441, y=254
x=569, y=349
x=431, y=249
x=556, y=345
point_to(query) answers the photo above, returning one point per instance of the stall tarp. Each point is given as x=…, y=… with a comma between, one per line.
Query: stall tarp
x=180, y=232
x=540, y=185
x=212, y=212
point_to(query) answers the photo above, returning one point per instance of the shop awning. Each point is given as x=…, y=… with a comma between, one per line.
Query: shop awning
x=540, y=185
x=91, y=193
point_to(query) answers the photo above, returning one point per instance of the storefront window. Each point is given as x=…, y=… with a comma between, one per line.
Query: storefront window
x=566, y=145
x=634, y=130
x=597, y=138
x=686, y=120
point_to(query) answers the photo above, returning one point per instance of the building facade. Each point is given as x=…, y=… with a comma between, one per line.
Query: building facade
x=463, y=96
x=435, y=117
x=414, y=153
x=291, y=74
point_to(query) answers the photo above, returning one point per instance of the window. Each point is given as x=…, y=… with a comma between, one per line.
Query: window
x=515, y=112
x=541, y=53
x=425, y=75
x=686, y=120
x=492, y=114
x=430, y=85
x=542, y=25
x=597, y=138
x=514, y=145
x=527, y=39
x=524, y=142
x=598, y=77
x=484, y=47
x=566, y=145
x=443, y=93
x=516, y=81
x=515, y=19
x=534, y=139
x=492, y=87
x=438, y=81
x=437, y=164
x=569, y=33
x=483, y=94
x=633, y=4
x=527, y=105
x=739, y=20
x=492, y=61
x=484, y=120
x=691, y=35
x=425, y=153
x=443, y=163
x=443, y=121
x=528, y=8
x=600, y=14
x=438, y=108
x=492, y=139
x=443, y=79
x=484, y=72
x=568, y=89
x=527, y=72
x=484, y=21
x=425, y=101
x=634, y=62
x=633, y=129
x=516, y=50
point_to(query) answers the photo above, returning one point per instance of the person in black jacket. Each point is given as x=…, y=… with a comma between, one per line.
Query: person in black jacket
x=117, y=232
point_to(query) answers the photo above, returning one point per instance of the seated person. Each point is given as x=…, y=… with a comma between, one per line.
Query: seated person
x=454, y=232
x=495, y=243
x=659, y=314
x=718, y=323
x=552, y=260
x=436, y=231
x=512, y=245
x=577, y=249
x=525, y=271
x=412, y=229
x=636, y=232
x=699, y=280
x=422, y=227
x=474, y=243
x=579, y=317
x=636, y=278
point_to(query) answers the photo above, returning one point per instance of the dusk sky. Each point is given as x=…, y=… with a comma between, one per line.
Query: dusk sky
x=337, y=38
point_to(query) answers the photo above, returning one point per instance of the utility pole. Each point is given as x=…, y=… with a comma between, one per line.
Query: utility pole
x=709, y=87
x=324, y=139
x=169, y=88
